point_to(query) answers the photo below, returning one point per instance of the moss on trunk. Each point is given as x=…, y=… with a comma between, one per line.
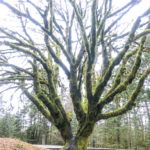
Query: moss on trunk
x=80, y=141
x=77, y=144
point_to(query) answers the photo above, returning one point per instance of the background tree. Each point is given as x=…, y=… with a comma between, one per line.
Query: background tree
x=85, y=40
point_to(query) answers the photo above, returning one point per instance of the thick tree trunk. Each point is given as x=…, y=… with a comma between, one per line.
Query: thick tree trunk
x=77, y=144
x=80, y=141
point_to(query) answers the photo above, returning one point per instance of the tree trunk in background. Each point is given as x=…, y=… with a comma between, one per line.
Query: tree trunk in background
x=44, y=131
x=50, y=135
x=118, y=123
x=148, y=115
x=136, y=129
x=43, y=139
x=129, y=132
x=118, y=131
x=148, y=112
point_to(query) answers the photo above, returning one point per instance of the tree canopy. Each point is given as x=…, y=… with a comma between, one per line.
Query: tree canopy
x=90, y=44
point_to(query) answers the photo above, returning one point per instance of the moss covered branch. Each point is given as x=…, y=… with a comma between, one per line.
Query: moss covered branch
x=28, y=52
x=122, y=86
x=131, y=100
x=28, y=16
x=102, y=83
x=50, y=50
x=76, y=96
x=39, y=105
x=93, y=31
x=83, y=32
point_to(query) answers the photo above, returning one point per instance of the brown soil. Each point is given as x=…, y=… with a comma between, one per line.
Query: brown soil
x=14, y=144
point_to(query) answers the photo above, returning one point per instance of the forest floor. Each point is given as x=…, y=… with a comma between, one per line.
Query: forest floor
x=15, y=144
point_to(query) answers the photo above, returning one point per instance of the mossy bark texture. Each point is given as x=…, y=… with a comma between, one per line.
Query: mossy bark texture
x=80, y=141
x=77, y=144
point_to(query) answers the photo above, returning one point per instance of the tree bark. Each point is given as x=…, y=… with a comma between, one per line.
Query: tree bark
x=77, y=144
x=148, y=112
x=80, y=141
x=118, y=131
x=44, y=132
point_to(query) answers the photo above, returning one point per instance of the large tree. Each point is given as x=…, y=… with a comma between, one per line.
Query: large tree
x=87, y=40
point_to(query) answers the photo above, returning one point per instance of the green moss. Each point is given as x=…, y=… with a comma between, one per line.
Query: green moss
x=82, y=143
x=76, y=144
x=69, y=115
x=129, y=54
x=131, y=100
x=85, y=105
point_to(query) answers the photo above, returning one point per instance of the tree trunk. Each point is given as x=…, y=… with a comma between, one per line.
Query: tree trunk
x=118, y=131
x=77, y=144
x=44, y=132
x=80, y=141
x=148, y=112
x=43, y=139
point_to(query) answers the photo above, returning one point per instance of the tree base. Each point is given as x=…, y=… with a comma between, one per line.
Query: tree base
x=76, y=145
x=71, y=145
